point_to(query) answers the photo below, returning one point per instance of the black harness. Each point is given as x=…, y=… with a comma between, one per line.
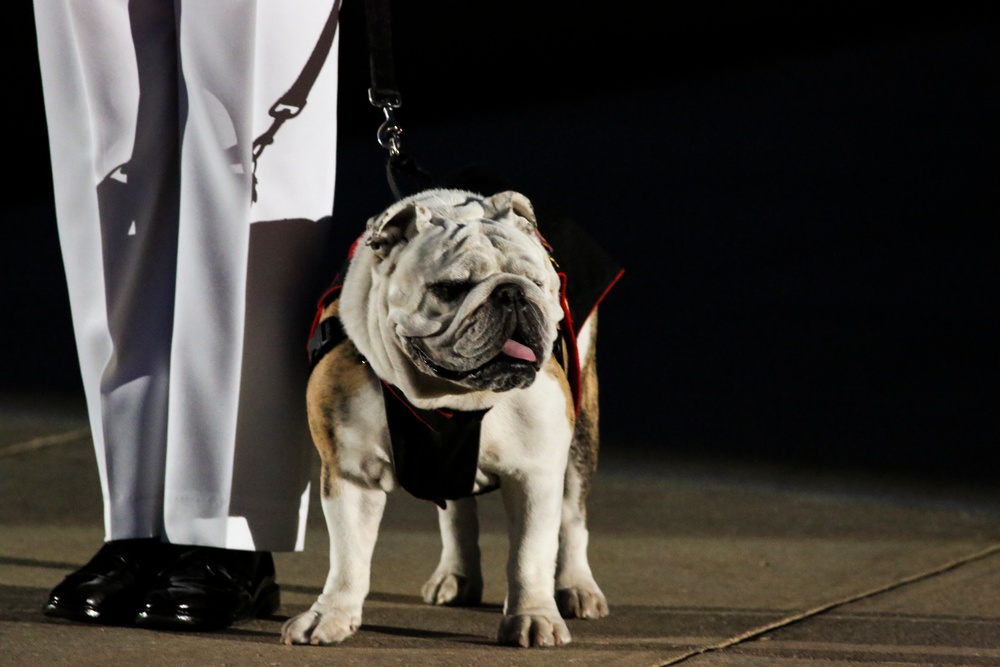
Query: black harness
x=435, y=453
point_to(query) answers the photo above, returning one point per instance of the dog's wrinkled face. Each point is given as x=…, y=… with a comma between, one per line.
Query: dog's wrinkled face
x=463, y=288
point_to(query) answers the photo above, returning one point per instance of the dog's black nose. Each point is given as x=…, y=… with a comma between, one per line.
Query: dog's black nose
x=509, y=294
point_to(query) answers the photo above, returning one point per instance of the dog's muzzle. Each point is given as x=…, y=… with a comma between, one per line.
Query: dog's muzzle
x=513, y=354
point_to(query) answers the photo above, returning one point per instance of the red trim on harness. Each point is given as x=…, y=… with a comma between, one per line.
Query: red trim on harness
x=605, y=293
x=447, y=414
x=354, y=246
x=409, y=407
x=328, y=295
x=324, y=301
x=572, y=373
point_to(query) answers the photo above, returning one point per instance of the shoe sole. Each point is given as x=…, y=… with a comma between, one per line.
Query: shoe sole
x=86, y=615
x=267, y=604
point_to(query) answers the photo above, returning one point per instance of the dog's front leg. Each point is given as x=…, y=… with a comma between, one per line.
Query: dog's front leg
x=353, y=514
x=532, y=503
x=458, y=579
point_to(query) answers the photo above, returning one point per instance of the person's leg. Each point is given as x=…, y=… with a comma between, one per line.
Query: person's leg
x=245, y=472
x=244, y=303
x=112, y=120
x=238, y=450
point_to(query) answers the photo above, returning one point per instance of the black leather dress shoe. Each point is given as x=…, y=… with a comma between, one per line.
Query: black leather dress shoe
x=111, y=586
x=210, y=589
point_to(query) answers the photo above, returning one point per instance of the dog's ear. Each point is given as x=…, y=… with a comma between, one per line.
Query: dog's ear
x=514, y=206
x=396, y=224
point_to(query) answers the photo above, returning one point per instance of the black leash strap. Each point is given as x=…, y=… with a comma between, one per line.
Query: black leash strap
x=404, y=175
x=383, y=92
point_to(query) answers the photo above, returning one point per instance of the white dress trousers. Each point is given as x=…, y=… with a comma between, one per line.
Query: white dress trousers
x=192, y=272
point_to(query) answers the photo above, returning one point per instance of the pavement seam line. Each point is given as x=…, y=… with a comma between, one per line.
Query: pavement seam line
x=45, y=441
x=823, y=608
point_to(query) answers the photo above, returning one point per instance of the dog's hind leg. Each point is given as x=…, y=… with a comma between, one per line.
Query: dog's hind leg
x=577, y=594
x=458, y=579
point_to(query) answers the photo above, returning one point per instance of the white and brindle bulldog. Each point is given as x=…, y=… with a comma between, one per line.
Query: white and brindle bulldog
x=451, y=306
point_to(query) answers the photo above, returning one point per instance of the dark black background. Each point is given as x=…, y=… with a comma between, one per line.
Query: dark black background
x=802, y=194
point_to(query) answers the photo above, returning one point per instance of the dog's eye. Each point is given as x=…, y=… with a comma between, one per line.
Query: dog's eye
x=449, y=290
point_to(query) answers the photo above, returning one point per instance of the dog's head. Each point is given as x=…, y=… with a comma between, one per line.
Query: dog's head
x=452, y=292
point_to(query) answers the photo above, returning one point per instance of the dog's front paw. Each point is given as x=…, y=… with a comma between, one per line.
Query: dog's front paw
x=528, y=630
x=319, y=628
x=453, y=590
x=584, y=601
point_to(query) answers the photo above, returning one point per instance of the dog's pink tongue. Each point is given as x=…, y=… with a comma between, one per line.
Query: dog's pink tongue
x=514, y=349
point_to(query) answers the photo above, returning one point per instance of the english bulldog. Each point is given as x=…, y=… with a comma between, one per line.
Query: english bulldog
x=457, y=374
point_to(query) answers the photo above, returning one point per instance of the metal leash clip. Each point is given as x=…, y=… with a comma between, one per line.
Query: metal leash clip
x=389, y=131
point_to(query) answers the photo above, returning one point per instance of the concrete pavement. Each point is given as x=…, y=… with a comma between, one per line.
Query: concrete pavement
x=704, y=563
